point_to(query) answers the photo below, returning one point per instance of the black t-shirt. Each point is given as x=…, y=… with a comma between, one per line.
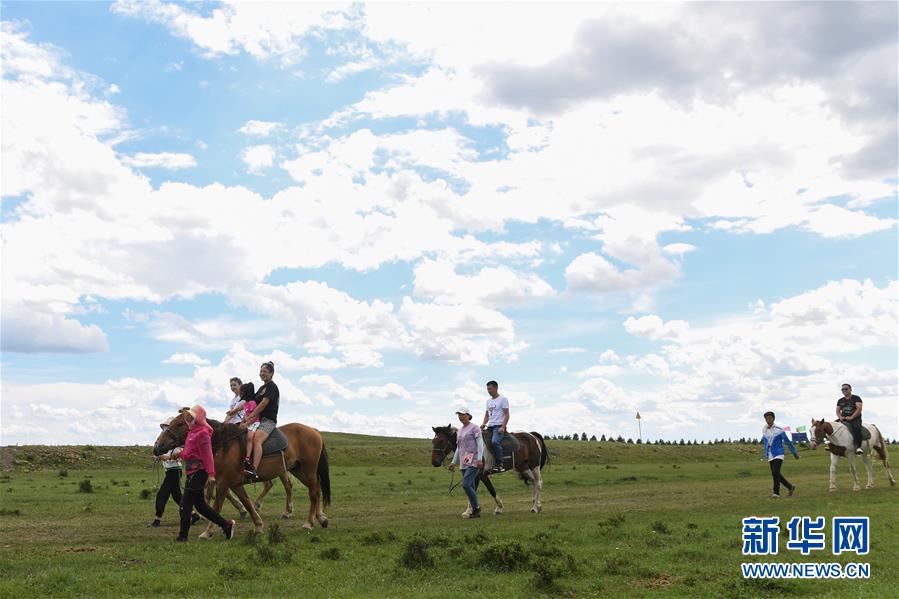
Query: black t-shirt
x=270, y=391
x=847, y=406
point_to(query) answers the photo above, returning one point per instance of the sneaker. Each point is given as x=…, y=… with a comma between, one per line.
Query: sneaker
x=229, y=530
x=194, y=519
x=498, y=469
x=792, y=490
x=472, y=514
x=154, y=523
x=180, y=539
x=775, y=496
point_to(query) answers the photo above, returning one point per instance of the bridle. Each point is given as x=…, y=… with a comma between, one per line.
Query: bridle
x=447, y=447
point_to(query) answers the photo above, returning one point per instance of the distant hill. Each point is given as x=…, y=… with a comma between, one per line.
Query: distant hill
x=347, y=449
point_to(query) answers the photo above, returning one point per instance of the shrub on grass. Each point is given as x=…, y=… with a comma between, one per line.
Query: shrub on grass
x=415, y=556
x=63, y=472
x=660, y=527
x=377, y=538
x=506, y=556
x=616, y=565
x=6, y=512
x=331, y=553
x=546, y=573
x=275, y=535
x=85, y=486
x=145, y=493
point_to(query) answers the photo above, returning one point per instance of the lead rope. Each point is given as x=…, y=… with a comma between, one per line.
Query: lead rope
x=452, y=487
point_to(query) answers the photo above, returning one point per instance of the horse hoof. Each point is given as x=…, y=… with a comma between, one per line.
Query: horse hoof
x=205, y=536
x=323, y=521
x=307, y=526
x=497, y=512
x=243, y=515
x=285, y=516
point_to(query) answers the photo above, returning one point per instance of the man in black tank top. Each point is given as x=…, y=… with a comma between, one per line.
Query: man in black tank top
x=849, y=412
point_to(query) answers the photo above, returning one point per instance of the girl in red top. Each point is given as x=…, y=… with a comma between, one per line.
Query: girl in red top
x=200, y=466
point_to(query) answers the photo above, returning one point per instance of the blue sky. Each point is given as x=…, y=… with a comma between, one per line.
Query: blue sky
x=604, y=207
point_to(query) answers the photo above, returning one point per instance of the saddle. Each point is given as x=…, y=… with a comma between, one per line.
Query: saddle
x=509, y=444
x=866, y=434
x=275, y=443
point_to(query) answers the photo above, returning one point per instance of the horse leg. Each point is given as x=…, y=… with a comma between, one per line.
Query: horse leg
x=833, y=472
x=498, y=509
x=237, y=505
x=535, y=492
x=266, y=487
x=288, y=491
x=251, y=507
x=307, y=476
x=866, y=460
x=220, y=492
x=853, y=471
x=882, y=453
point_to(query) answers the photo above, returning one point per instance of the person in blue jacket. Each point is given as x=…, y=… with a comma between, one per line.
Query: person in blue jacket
x=773, y=439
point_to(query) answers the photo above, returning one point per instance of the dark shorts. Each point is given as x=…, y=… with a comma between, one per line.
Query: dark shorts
x=267, y=425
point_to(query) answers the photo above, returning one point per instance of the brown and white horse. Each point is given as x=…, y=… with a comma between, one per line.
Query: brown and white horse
x=305, y=457
x=843, y=445
x=529, y=459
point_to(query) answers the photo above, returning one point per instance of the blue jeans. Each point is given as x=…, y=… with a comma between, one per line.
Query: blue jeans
x=469, y=480
x=495, y=438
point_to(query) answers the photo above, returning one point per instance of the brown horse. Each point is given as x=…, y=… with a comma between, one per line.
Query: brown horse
x=528, y=461
x=305, y=457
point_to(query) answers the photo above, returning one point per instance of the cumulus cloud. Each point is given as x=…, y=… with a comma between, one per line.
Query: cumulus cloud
x=254, y=128
x=186, y=358
x=166, y=160
x=258, y=158
x=491, y=286
x=262, y=31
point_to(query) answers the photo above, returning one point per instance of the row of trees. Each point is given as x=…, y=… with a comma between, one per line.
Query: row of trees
x=620, y=439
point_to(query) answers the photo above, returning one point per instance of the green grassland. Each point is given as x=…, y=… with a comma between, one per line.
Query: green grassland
x=618, y=520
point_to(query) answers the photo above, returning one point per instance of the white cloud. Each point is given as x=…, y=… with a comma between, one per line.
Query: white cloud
x=186, y=358
x=258, y=158
x=568, y=350
x=678, y=249
x=652, y=327
x=491, y=286
x=260, y=128
x=167, y=160
x=262, y=30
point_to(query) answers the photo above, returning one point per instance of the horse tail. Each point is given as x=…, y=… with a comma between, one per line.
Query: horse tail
x=544, y=453
x=881, y=448
x=324, y=476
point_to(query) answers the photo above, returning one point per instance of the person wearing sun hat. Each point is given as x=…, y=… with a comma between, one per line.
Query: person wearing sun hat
x=469, y=455
x=200, y=466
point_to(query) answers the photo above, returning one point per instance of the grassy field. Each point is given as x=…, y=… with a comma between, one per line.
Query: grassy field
x=618, y=521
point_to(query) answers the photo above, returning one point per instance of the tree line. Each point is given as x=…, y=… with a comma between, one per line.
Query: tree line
x=630, y=441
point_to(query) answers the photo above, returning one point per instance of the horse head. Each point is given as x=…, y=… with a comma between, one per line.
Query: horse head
x=173, y=435
x=443, y=444
x=820, y=428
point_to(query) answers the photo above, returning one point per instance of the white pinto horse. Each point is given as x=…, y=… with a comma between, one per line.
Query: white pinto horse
x=842, y=445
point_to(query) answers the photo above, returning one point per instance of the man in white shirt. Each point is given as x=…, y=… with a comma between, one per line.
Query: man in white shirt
x=495, y=420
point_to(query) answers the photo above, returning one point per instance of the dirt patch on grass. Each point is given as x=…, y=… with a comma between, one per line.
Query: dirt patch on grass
x=79, y=549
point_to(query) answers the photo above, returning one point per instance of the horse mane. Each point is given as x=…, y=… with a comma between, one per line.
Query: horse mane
x=449, y=429
x=224, y=433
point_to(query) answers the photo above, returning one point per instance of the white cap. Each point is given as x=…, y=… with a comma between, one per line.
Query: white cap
x=463, y=410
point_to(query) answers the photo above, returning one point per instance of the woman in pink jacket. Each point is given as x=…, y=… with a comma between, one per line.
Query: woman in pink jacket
x=200, y=466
